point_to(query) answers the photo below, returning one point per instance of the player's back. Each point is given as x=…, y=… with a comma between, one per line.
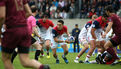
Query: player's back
x=116, y=24
x=15, y=13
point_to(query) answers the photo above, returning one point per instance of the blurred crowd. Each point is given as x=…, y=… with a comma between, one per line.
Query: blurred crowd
x=91, y=7
x=55, y=9
x=63, y=9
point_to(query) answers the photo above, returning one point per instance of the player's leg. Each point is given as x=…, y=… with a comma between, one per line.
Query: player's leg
x=26, y=61
x=81, y=52
x=109, y=47
x=65, y=48
x=14, y=54
x=47, y=44
x=6, y=58
x=55, y=55
x=38, y=48
x=92, y=48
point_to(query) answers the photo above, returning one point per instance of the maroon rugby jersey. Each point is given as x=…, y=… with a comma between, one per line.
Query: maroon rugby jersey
x=15, y=13
x=116, y=24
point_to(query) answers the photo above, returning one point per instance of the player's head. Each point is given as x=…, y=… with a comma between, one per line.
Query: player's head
x=33, y=9
x=108, y=57
x=60, y=24
x=44, y=17
x=94, y=17
x=104, y=16
x=108, y=10
x=76, y=25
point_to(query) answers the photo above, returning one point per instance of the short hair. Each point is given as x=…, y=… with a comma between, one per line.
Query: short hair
x=104, y=14
x=44, y=15
x=109, y=8
x=61, y=21
x=76, y=24
x=33, y=8
x=95, y=16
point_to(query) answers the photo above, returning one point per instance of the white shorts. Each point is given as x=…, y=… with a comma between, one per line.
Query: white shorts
x=55, y=44
x=83, y=41
x=97, y=34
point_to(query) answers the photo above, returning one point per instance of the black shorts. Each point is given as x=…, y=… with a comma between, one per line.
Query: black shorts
x=33, y=40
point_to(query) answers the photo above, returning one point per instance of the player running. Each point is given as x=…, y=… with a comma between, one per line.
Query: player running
x=57, y=33
x=44, y=25
x=12, y=14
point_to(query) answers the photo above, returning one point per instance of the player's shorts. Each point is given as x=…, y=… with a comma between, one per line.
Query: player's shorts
x=16, y=37
x=98, y=35
x=116, y=40
x=83, y=41
x=55, y=44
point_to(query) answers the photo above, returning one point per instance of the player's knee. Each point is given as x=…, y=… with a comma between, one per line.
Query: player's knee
x=54, y=54
x=5, y=58
x=25, y=64
x=86, y=47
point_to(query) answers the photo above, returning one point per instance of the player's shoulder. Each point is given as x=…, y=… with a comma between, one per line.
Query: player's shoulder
x=64, y=26
x=55, y=27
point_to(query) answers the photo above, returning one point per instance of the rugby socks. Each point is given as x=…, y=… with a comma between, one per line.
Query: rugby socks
x=37, y=54
x=99, y=53
x=56, y=57
x=112, y=52
x=48, y=52
x=87, y=58
x=64, y=55
x=77, y=58
x=13, y=56
x=41, y=67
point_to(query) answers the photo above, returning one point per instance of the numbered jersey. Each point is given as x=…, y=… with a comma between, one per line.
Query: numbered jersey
x=15, y=13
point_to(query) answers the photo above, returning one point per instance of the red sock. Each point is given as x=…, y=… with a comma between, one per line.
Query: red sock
x=112, y=52
x=41, y=67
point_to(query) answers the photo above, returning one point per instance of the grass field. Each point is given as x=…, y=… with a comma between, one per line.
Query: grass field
x=62, y=65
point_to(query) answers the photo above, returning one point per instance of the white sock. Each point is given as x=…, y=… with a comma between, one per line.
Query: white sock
x=77, y=58
x=99, y=53
x=87, y=58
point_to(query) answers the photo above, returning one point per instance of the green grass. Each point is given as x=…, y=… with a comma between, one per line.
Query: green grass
x=62, y=65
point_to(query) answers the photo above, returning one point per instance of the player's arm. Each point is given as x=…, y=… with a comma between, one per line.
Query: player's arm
x=93, y=33
x=51, y=24
x=95, y=26
x=35, y=31
x=28, y=10
x=108, y=28
x=54, y=33
x=2, y=18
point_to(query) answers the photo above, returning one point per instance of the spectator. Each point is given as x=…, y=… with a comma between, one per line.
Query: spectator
x=75, y=34
x=99, y=11
x=55, y=3
x=58, y=14
x=53, y=8
x=72, y=10
x=83, y=12
x=61, y=3
x=63, y=14
x=91, y=13
x=47, y=12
